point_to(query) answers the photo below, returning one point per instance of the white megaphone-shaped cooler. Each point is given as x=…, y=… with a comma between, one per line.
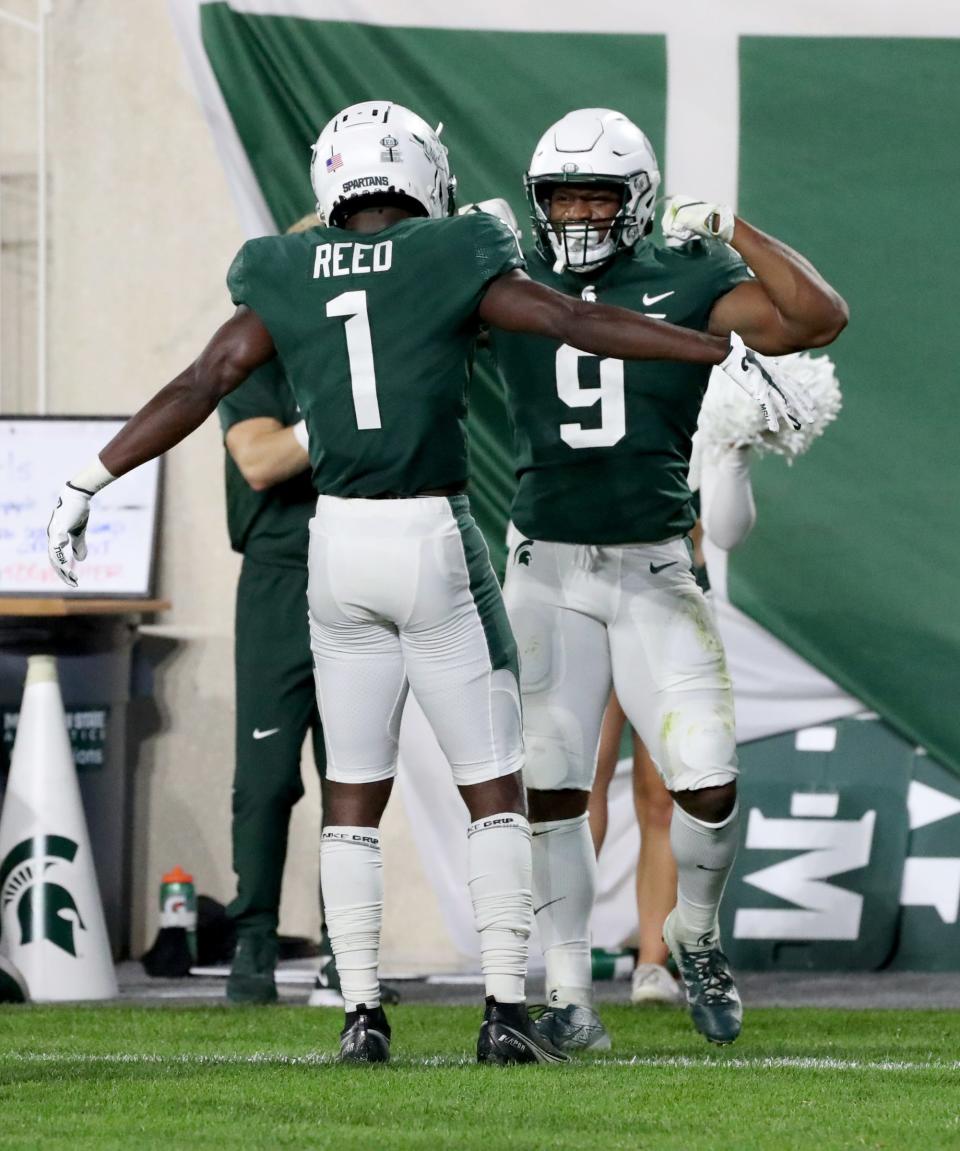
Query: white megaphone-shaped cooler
x=51, y=918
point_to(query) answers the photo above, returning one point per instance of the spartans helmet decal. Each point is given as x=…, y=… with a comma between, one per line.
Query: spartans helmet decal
x=45, y=909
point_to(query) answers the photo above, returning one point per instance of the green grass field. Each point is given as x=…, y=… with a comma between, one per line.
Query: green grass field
x=210, y=1077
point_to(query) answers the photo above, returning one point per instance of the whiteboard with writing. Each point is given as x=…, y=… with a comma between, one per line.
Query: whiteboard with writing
x=36, y=457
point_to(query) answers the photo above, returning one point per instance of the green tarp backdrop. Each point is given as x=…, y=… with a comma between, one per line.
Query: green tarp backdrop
x=847, y=151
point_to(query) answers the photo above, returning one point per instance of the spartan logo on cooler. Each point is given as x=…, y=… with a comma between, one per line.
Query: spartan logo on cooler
x=44, y=909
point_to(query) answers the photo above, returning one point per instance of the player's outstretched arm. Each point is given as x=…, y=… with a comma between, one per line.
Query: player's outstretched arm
x=788, y=307
x=516, y=303
x=237, y=348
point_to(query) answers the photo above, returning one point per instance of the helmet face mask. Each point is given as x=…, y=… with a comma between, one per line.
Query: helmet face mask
x=592, y=147
x=379, y=153
x=582, y=245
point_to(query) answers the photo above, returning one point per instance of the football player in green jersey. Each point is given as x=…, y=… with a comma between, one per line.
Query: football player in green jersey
x=269, y=502
x=599, y=586
x=374, y=319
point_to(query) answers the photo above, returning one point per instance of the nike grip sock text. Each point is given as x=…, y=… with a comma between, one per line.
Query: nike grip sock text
x=498, y=859
x=351, y=874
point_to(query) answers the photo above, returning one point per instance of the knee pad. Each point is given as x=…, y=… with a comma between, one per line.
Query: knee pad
x=556, y=759
x=505, y=749
x=698, y=746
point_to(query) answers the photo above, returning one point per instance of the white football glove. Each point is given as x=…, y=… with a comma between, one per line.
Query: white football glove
x=497, y=207
x=66, y=532
x=685, y=217
x=767, y=386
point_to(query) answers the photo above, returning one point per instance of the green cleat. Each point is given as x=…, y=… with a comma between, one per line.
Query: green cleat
x=572, y=1028
x=712, y=996
x=251, y=974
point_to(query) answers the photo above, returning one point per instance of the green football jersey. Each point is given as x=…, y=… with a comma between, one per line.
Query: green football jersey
x=376, y=335
x=603, y=445
x=271, y=525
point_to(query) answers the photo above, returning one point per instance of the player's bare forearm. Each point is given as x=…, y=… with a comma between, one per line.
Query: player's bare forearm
x=173, y=413
x=800, y=310
x=518, y=304
x=265, y=451
x=621, y=334
x=238, y=347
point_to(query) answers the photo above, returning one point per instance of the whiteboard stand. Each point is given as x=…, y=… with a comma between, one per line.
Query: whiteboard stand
x=90, y=630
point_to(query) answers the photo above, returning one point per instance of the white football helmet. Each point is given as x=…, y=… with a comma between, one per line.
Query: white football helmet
x=592, y=146
x=380, y=149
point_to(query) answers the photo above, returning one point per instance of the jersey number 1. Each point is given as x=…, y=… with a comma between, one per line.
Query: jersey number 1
x=613, y=416
x=363, y=380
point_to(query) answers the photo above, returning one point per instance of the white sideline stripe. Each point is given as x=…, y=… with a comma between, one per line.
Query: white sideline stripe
x=318, y=1059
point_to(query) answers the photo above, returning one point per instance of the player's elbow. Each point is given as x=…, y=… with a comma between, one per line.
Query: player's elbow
x=832, y=317
x=218, y=371
x=257, y=478
x=253, y=468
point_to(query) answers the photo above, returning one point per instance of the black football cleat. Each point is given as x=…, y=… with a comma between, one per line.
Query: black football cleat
x=508, y=1035
x=365, y=1037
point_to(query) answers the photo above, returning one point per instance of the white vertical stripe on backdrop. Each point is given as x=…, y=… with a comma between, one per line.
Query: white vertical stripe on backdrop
x=255, y=217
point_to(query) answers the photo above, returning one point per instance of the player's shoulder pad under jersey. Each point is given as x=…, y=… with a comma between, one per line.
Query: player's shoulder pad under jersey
x=244, y=266
x=711, y=262
x=494, y=242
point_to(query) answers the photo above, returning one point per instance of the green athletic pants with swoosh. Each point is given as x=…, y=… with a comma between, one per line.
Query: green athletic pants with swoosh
x=276, y=707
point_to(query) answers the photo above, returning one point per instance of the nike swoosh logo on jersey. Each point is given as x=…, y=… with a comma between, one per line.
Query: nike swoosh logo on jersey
x=655, y=568
x=648, y=300
x=258, y=734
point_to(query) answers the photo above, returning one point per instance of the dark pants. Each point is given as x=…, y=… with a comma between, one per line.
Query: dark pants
x=276, y=706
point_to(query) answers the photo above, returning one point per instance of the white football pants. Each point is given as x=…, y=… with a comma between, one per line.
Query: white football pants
x=401, y=594
x=588, y=616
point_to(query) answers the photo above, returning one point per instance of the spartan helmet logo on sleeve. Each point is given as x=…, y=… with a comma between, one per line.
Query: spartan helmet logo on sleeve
x=375, y=150
x=599, y=146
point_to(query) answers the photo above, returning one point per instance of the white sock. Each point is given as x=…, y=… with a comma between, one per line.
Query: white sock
x=351, y=875
x=704, y=853
x=564, y=889
x=498, y=857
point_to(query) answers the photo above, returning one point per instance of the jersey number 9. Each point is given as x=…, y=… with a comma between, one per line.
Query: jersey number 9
x=613, y=418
